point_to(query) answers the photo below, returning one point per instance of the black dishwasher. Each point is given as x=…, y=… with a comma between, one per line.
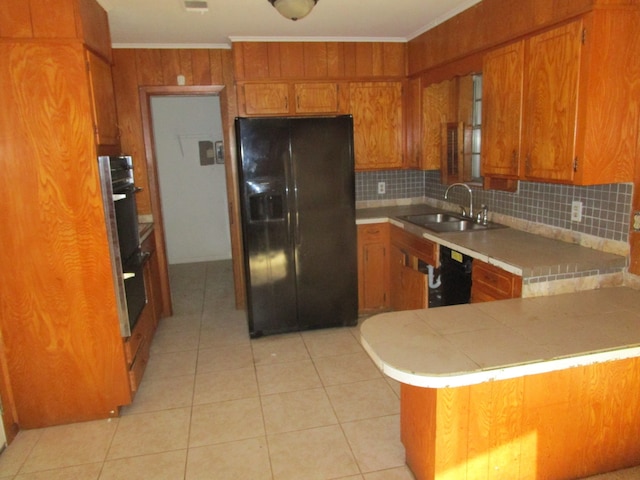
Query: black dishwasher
x=455, y=274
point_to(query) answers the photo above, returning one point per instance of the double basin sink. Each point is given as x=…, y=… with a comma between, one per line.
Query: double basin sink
x=448, y=222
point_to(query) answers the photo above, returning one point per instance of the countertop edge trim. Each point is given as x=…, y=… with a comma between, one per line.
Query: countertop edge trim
x=425, y=380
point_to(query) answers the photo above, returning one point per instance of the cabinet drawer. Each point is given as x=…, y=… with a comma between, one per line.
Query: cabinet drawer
x=142, y=332
x=493, y=283
x=132, y=345
x=419, y=247
x=374, y=232
x=139, y=365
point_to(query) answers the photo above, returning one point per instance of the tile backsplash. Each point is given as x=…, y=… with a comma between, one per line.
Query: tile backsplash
x=605, y=213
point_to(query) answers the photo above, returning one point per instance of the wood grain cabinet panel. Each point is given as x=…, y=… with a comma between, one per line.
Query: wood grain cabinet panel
x=378, y=124
x=437, y=110
x=58, y=313
x=408, y=284
x=549, y=113
x=104, y=101
x=489, y=283
x=266, y=98
x=502, y=90
x=316, y=97
x=373, y=267
x=413, y=124
x=152, y=277
x=409, y=287
x=552, y=73
x=419, y=247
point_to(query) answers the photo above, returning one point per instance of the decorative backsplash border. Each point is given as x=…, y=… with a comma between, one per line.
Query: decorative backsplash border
x=605, y=213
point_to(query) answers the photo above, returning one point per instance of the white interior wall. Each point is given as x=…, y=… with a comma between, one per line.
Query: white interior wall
x=194, y=197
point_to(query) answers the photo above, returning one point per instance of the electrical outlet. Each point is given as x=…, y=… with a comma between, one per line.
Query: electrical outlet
x=576, y=211
x=382, y=188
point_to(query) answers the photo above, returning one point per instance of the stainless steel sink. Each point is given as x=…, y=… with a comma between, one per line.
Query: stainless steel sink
x=431, y=218
x=457, y=226
x=446, y=222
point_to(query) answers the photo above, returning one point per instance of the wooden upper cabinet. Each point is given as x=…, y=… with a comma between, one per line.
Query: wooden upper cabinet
x=556, y=105
x=378, y=130
x=104, y=102
x=57, y=19
x=502, y=84
x=552, y=73
x=316, y=97
x=413, y=123
x=266, y=98
x=284, y=98
x=437, y=111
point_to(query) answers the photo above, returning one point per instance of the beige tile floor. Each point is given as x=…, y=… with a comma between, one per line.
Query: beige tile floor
x=215, y=405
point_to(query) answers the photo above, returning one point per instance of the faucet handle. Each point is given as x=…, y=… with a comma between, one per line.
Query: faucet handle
x=483, y=214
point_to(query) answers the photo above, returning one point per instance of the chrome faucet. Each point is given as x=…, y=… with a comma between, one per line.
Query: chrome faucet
x=464, y=213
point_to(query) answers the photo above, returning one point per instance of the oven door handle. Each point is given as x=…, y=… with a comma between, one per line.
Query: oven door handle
x=119, y=196
x=128, y=275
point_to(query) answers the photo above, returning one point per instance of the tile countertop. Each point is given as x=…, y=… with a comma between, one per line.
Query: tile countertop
x=515, y=251
x=468, y=344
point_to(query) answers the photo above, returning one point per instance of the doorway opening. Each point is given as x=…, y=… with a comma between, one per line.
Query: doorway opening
x=188, y=142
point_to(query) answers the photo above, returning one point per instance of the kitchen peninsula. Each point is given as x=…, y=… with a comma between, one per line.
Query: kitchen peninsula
x=536, y=388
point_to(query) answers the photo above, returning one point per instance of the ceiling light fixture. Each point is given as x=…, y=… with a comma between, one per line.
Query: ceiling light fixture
x=293, y=9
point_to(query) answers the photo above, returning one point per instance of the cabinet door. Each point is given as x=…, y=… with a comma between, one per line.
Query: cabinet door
x=437, y=110
x=104, y=101
x=413, y=111
x=316, y=97
x=377, y=124
x=502, y=77
x=408, y=285
x=373, y=267
x=266, y=98
x=551, y=92
x=152, y=277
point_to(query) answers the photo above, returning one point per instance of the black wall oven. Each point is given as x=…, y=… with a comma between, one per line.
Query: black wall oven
x=118, y=192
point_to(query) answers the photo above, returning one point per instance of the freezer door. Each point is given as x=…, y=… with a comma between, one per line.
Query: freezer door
x=264, y=159
x=324, y=221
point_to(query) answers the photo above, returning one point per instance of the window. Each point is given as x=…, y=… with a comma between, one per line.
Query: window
x=476, y=125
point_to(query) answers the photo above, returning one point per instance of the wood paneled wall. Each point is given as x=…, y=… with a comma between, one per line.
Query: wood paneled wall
x=140, y=70
x=318, y=60
x=490, y=23
x=135, y=68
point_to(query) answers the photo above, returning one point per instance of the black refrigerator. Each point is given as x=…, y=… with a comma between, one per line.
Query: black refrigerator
x=297, y=199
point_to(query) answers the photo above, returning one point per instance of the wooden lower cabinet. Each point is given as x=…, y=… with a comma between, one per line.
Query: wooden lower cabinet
x=489, y=283
x=570, y=423
x=138, y=345
x=373, y=267
x=409, y=284
x=152, y=277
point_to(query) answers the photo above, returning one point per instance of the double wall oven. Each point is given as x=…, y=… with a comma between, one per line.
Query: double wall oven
x=127, y=260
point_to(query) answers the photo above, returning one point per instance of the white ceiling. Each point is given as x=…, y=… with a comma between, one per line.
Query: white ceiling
x=166, y=23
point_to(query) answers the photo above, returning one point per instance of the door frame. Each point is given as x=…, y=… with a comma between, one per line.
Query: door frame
x=231, y=174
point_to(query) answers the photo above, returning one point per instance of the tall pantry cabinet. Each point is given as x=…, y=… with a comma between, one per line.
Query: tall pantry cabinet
x=63, y=357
